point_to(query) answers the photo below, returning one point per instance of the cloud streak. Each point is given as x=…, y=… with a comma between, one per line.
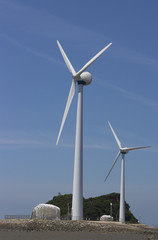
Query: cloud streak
x=133, y=56
x=128, y=94
x=42, y=23
x=46, y=25
x=23, y=143
x=27, y=143
x=95, y=146
x=28, y=49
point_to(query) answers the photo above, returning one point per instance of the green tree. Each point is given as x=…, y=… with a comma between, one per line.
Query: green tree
x=94, y=208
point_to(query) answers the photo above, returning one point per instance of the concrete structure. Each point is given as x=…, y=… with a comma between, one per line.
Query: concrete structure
x=46, y=211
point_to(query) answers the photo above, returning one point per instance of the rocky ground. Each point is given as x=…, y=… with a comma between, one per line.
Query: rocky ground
x=78, y=226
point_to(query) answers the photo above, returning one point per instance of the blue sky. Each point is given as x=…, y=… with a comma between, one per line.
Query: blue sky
x=34, y=88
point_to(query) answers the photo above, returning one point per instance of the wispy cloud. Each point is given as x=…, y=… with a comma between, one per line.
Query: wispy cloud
x=42, y=23
x=128, y=94
x=23, y=143
x=99, y=146
x=49, y=26
x=28, y=49
x=90, y=146
x=27, y=143
x=133, y=56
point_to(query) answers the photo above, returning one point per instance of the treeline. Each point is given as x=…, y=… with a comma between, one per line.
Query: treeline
x=93, y=208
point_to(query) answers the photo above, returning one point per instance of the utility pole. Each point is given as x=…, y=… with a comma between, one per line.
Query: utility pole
x=68, y=211
x=111, y=209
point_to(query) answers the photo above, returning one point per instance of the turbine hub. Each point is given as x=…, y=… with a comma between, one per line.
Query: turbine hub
x=86, y=78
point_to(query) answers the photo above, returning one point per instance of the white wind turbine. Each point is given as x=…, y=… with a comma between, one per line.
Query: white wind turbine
x=122, y=151
x=82, y=78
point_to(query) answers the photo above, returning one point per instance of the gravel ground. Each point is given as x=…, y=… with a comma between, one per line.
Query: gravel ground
x=47, y=229
x=18, y=235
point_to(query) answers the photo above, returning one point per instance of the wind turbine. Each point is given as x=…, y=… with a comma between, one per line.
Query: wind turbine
x=122, y=151
x=82, y=78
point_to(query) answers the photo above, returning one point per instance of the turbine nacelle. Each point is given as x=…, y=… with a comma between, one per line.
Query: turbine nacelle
x=124, y=150
x=85, y=77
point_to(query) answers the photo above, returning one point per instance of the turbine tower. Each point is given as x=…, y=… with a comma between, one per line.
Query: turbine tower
x=82, y=78
x=123, y=152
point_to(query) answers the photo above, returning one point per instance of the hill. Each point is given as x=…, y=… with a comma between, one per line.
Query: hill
x=93, y=208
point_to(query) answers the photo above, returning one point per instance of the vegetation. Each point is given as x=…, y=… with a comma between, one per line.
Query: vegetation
x=93, y=208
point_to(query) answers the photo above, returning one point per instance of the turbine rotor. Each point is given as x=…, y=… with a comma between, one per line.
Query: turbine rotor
x=81, y=77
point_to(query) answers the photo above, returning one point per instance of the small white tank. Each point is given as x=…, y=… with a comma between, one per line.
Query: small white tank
x=46, y=211
x=106, y=218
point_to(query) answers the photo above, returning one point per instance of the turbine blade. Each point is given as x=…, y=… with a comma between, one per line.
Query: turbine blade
x=113, y=165
x=135, y=148
x=68, y=64
x=69, y=100
x=91, y=61
x=116, y=138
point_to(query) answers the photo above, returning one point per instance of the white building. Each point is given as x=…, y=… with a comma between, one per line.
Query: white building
x=46, y=211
